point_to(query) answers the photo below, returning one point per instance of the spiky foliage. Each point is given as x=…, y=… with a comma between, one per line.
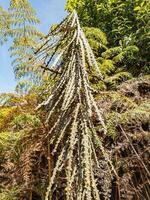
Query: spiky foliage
x=73, y=141
x=25, y=35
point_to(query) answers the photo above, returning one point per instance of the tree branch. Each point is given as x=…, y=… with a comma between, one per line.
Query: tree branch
x=51, y=70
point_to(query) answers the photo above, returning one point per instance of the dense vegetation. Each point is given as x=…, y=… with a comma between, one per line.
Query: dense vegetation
x=78, y=126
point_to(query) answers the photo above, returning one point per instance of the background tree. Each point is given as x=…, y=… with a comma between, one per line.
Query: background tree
x=124, y=23
x=25, y=36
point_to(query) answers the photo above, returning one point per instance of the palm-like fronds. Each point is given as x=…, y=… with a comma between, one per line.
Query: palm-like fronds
x=23, y=20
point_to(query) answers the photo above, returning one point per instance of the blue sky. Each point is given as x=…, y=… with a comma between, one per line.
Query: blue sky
x=49, y=12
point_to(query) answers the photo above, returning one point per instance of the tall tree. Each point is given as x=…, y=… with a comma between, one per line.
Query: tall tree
x=72, y=138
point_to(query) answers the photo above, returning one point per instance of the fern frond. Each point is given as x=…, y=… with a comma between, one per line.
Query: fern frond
x=25, y=35
x=4, y=25
x=107, y=66
x=97, y=39
x=111, y=52
x=116, y=79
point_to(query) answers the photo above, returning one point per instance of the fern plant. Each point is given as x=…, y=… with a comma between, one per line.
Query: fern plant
x=96, y=38
x=25, y=36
